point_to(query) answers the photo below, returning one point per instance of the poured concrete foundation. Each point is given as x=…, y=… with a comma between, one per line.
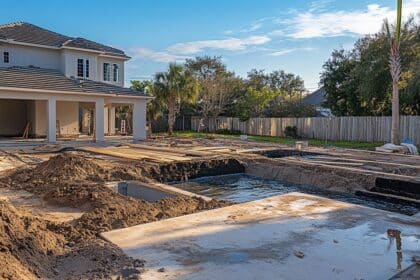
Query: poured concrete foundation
x=292, y=236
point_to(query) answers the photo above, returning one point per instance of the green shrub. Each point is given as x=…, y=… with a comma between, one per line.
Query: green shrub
x=291, y=132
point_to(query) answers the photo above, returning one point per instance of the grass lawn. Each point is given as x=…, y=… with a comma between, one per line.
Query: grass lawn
x=312, y=142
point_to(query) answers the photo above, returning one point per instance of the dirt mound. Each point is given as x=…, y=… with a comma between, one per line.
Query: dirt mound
x=26, y=244
x=119, y=212
x=34, y=248
x=68, y=166
x=72, y=167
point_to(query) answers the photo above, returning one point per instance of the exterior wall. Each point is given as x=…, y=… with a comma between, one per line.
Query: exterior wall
x=64, y=60
x=86, y=119
x=38, y=118
x=111, y=61
x=69, y=63
x=25, y=56
x=68, y=118
x=12, y=117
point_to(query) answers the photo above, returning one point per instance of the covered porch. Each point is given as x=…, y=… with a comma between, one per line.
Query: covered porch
x=48, y=114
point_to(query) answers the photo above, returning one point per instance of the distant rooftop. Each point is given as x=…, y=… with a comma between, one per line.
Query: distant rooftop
x=31, y=34
x=48, y=79
x=315, y=98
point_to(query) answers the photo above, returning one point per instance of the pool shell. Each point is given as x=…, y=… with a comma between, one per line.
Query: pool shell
x=261, y=165
x=244, y=187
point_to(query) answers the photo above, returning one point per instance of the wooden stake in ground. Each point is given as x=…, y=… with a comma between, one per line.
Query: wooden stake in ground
x=26, y=131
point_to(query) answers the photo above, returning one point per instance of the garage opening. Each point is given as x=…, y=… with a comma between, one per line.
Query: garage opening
x=18, y=118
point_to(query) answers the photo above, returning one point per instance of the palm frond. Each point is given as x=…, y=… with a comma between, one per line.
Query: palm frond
x=398, y=26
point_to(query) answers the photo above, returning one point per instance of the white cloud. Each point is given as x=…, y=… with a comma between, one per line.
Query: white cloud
x=230, y=44
x=314, y=23
x=254, y=27
x=159, y=56
x=287, y=51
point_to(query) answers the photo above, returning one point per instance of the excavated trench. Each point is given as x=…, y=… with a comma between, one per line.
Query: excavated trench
x=258, y=177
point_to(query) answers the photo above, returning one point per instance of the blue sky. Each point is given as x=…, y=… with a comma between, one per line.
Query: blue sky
x=296, y=36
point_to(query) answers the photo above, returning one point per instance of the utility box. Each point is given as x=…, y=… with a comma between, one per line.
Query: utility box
x=299, y=145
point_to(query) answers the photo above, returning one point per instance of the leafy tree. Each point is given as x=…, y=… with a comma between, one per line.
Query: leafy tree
x=287, y=109
x=174, y=86
x=155, y=107
x=292, y=85
x=217, y=85
x=338, y=81
x=258, y=79
x=255, y=101
x=281, y=88
x=357, y=82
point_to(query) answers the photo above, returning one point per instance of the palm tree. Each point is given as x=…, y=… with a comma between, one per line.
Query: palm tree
x=395, y=69
x=174, y=86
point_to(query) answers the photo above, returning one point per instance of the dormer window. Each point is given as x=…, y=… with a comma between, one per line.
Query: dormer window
x=115, y=72
x=80, y=68
x=107, y=72
x=6, y=57
x=83, y=68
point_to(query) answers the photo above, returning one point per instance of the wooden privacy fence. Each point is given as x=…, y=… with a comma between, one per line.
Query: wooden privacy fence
x=366, y=129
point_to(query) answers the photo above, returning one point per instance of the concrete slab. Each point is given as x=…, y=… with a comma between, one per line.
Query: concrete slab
x=292, y=236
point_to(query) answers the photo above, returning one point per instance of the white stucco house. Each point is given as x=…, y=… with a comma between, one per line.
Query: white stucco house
x=47, y=78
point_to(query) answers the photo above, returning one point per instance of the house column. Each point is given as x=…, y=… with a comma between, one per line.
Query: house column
x=139, y=120
x=111, y=120
x=51, y=119
x=99, y=120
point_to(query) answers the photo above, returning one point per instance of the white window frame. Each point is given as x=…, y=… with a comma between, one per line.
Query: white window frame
x=106, y=72
x=81, y=68
x=115, y=72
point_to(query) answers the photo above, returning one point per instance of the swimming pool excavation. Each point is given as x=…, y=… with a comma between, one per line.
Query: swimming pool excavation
x=209, y=207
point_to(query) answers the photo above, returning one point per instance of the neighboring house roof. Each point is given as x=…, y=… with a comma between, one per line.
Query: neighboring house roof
x=315, y=98
x=48, y=79
x=31, y=34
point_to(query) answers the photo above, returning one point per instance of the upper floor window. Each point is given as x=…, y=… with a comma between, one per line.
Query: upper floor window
x=6, y=57
x=115, y=73
x=87, y=68
x=107, y=72
x=80, y=68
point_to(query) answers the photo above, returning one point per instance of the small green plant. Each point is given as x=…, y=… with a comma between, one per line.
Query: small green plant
x=291, y=132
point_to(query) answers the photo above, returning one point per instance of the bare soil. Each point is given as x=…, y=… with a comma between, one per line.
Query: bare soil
x=32, y=247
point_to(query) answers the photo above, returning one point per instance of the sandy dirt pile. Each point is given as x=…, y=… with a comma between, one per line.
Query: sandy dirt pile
x=35, y=248
x=73, y=167
x=32, y=248
x=26, y=242
x=120, y=212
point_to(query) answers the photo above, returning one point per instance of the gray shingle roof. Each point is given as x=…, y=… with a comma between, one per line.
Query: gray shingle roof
x=28, y=33
x=47, y=79
x=315, y=98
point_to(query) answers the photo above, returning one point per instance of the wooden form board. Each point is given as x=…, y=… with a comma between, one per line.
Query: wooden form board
x=172, y=150
x=136, y=154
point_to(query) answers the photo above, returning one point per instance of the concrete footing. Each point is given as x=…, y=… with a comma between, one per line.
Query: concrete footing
x=292, y=236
